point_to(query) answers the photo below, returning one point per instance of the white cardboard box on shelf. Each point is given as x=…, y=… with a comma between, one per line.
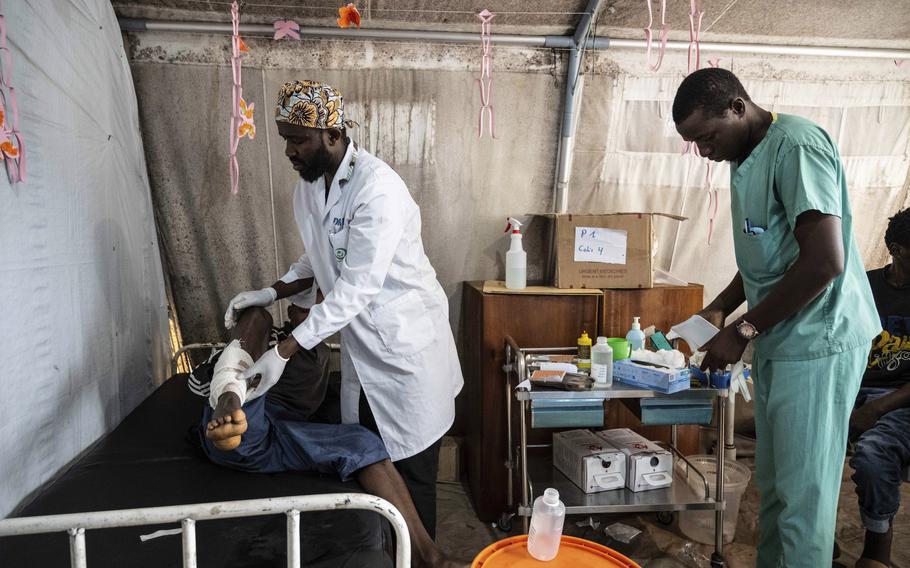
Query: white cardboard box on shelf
x=648, y=466
x=589, y=461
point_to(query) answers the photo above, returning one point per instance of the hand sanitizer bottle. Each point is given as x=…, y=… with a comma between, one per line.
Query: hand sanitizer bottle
x=516, y=259
x=547, y=519
x=636, y=336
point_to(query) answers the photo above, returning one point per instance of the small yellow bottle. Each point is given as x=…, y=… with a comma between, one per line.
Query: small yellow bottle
x=584, y=351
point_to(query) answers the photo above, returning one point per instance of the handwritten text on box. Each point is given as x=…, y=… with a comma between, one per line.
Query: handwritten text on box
x=595, y=244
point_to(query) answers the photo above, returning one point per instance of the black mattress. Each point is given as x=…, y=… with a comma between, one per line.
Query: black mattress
x=149, y=461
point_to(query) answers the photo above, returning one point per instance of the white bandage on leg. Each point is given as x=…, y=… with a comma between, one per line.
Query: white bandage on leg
x=226, y=376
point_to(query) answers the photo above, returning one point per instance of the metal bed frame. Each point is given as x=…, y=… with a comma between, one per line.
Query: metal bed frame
x=77, y=523
x=679, y=497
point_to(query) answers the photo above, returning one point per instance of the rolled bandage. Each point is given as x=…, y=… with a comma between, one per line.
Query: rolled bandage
x=226, y=377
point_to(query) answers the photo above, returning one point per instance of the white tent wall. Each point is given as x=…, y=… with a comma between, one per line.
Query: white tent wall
x=84, y=336
x=418, y=104
x=629, y=155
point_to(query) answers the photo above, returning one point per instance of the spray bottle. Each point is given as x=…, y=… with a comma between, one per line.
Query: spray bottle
x=516, y=259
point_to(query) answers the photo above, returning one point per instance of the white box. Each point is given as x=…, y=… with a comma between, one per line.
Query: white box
x=589, y=461
x=648, y=466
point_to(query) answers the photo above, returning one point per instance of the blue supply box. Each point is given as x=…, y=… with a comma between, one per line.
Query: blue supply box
x=646, y=376
x=718, y=380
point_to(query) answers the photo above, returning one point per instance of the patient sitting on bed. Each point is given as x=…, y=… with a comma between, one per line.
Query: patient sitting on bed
x=245, y=430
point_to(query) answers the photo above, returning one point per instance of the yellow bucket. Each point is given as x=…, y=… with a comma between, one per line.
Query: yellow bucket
x=573, y=553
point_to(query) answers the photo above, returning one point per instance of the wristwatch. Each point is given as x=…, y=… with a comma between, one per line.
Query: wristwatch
x=746, y=330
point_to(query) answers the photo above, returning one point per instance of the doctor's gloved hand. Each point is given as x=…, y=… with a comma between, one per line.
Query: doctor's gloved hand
x=264, y=298
x=269, y=368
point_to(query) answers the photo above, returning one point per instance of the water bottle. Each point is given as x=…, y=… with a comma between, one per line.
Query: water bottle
x=602, y=363
x=546, y=525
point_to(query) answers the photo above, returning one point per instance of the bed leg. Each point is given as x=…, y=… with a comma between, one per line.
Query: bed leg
x=293, y=538
x=189, y=543
x=77, y=548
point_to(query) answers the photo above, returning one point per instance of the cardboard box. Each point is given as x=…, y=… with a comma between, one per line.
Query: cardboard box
x=449, y=459
x=646, y=376
x=589, y=461
x=604, y=251
x=648, y=466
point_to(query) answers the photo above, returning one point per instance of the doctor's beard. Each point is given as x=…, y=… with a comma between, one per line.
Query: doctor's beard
x=318, y=165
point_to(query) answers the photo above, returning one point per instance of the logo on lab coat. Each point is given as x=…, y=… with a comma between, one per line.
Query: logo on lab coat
x=340, y=253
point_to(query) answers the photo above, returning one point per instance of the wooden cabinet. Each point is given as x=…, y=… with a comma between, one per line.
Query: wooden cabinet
x=545, y=321
x=534, y=321
x=661, y=306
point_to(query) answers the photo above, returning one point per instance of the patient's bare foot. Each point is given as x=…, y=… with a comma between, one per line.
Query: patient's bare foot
x=227, y=424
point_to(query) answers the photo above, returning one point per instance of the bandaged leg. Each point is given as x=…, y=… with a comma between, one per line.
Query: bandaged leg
x=232, y=362
x=228, y=393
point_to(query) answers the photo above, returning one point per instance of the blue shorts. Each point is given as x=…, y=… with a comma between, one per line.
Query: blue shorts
x=275, y=442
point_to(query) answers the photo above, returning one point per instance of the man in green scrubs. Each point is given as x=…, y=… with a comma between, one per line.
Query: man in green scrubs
x=810, y=313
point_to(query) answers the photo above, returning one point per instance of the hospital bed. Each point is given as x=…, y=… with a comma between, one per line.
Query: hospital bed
x=149, y=460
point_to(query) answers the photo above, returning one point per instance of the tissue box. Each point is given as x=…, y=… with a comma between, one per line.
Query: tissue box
x=645, y=376
x=648, y=466
x=589, y=461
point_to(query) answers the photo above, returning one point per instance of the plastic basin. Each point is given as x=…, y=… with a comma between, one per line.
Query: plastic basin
x=573, y=552
x=699, y=525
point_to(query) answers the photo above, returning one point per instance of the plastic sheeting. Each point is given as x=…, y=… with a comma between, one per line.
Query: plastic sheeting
x=84, y=323
x=637, y=165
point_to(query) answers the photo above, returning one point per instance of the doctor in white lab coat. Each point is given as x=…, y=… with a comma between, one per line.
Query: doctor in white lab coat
x=361, y=232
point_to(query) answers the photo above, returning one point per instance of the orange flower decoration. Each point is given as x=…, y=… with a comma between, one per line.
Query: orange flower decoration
x=247, y=127
x=6, y=144
x=348, y=16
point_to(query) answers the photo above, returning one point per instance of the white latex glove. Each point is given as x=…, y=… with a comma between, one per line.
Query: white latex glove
x=269, y=367
x=265, y=297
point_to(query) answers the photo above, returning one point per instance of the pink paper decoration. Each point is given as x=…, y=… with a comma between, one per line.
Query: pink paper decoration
x=286, y=28
x=12, y=146
x=241, y=112
x=486, y=74
x=695, y=16
x=649, y=35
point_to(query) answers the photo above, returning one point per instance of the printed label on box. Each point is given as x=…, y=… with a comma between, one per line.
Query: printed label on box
x=597, y=244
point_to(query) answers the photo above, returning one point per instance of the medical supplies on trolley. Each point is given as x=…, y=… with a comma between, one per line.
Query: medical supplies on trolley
x=648, y=466
x=589, y=461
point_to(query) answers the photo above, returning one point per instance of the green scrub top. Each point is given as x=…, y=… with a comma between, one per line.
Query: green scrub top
x=794, y=169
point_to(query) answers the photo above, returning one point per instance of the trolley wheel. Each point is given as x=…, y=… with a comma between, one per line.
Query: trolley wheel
x=665, y=517
x=717, y=561
x=505, y=522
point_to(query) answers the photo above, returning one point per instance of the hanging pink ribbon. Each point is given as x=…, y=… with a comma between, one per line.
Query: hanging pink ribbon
x=13, y=153
x=486, y=74
x=695, y=17
x=286, y=28
x=237, y=114
x=649, y=35
x=712, y=201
